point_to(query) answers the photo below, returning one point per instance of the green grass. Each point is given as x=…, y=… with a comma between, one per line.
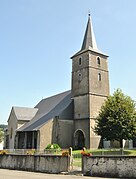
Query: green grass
x=130, y=152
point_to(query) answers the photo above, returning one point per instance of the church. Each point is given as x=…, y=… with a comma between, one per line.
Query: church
x=67, y=118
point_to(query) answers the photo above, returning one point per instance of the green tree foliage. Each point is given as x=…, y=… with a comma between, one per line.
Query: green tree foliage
x=1, y=134
x=117, y=118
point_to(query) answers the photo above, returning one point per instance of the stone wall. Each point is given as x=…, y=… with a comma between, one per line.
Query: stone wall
x=36, y=163
x=45, y=135
x=110, y=166
x=12, y=126
x=64, y=133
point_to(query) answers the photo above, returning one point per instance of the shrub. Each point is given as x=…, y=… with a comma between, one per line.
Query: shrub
x=3, y=152
x=65, y=153
x=86, y=153
x=31, y=152
x=53, y=146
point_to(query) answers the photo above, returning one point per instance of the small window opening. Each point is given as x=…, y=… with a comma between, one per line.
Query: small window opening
x=98, y=61
x=79, y=76
x=11, y=132
x=80, y=61
x=99, y=77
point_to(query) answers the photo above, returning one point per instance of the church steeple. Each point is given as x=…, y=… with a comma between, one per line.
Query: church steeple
x=89, y=38
x=90, y=88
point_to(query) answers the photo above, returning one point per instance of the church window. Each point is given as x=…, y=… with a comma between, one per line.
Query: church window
x=98, y=61
x=80, y=61
x=79, y=76
x=99, y=77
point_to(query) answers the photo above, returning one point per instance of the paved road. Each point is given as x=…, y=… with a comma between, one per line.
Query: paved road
x=14, y=174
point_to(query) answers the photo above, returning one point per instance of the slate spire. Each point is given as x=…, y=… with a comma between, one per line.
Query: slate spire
x=89, y=38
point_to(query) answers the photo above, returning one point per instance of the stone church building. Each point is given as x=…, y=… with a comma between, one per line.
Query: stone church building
x=67, y=118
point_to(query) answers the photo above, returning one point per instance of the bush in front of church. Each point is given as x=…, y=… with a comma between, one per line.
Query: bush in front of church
x=53, y=146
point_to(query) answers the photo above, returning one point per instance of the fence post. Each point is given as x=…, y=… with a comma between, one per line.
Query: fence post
x=71, y=158
x=70, y=151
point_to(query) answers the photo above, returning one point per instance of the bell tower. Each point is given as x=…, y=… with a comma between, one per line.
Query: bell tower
x=90, y=87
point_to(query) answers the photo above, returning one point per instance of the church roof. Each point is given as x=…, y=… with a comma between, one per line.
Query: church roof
x=24, y=113
x=47, y=109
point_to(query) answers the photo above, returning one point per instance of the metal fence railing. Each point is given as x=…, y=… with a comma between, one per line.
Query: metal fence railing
x=75, y=154
x=112, y=152
x=37, y=152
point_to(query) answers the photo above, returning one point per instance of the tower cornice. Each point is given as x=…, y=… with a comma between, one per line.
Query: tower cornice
x=91, y=50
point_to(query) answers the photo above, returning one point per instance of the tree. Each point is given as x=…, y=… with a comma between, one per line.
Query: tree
x=3, y=126
x=1, y=134
x=117, y=118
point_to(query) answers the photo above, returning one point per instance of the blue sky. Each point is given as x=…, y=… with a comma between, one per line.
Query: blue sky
x=38, y=37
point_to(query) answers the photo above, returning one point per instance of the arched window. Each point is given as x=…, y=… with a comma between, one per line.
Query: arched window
x=98, y=61
x=80, y=61
x=99, y=77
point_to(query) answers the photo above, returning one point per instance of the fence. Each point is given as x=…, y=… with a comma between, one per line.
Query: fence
x=76, y=162
x=112, y=152
x=37, y=152
x=75, y=156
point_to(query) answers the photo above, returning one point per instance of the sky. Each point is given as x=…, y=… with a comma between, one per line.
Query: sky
x=38, y=37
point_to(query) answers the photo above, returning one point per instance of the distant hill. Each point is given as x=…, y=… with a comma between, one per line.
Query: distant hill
x=3, y=126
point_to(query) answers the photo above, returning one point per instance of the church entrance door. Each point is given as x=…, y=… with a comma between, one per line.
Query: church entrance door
x=79, y=139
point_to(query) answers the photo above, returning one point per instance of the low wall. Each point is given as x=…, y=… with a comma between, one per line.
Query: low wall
x=109, y=166
x=36, y=163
